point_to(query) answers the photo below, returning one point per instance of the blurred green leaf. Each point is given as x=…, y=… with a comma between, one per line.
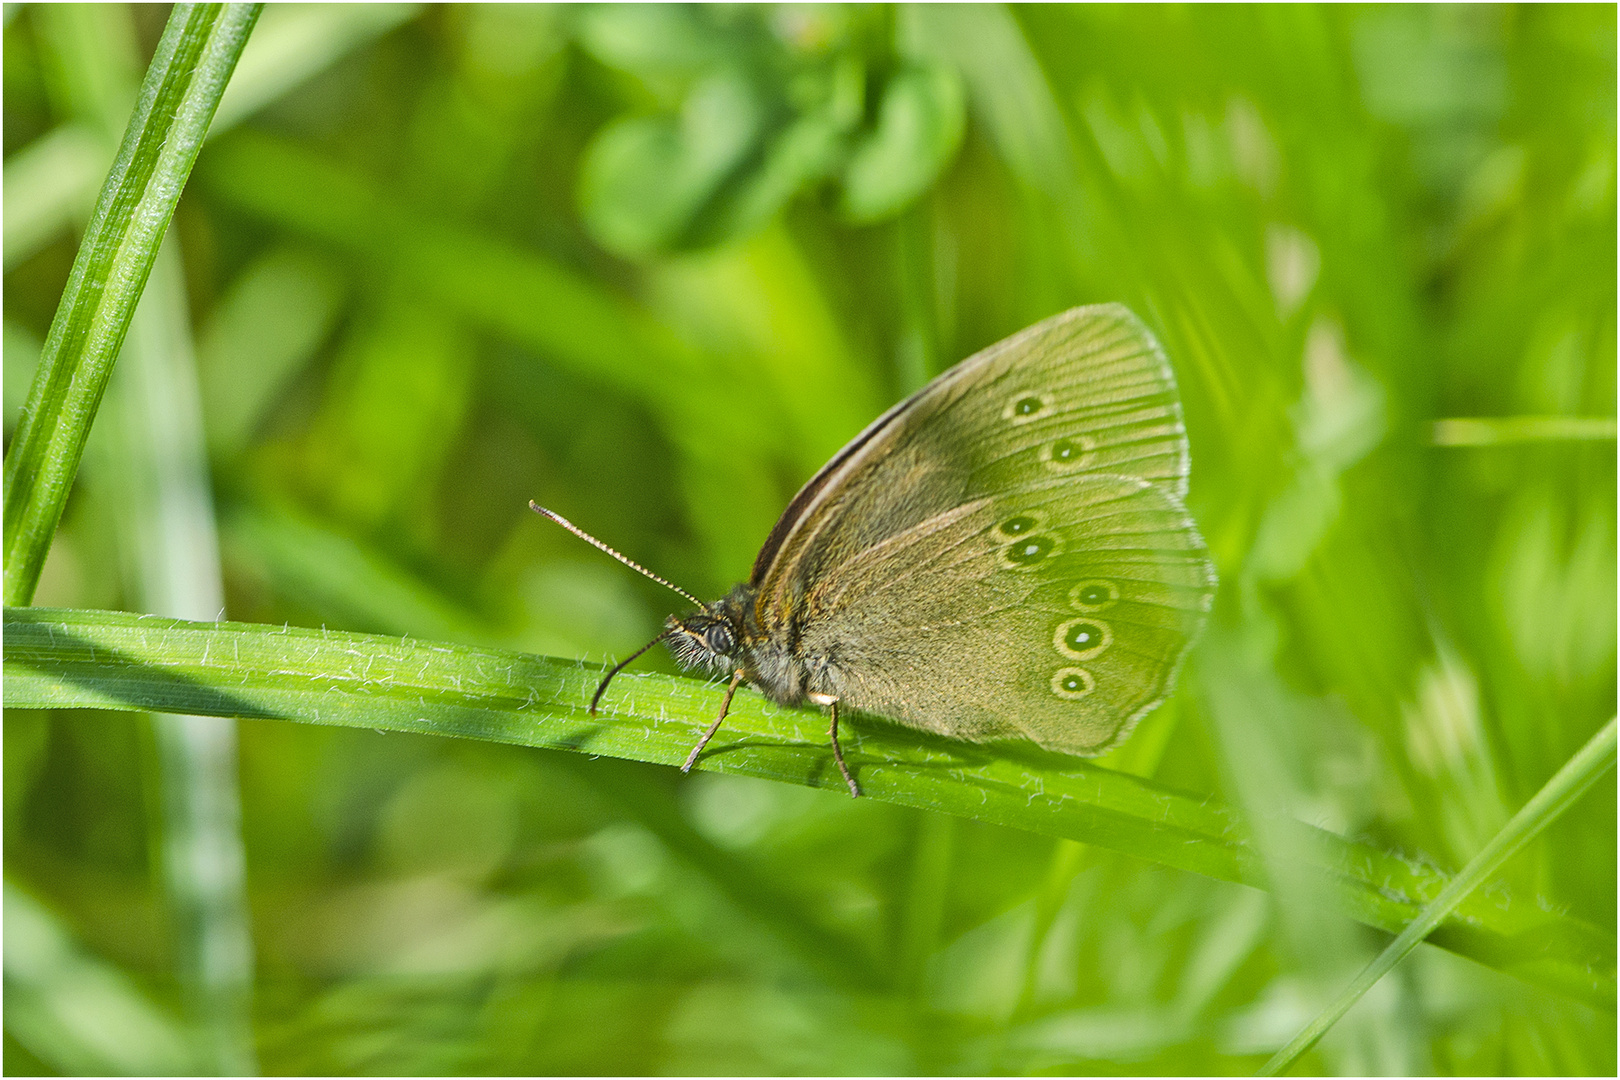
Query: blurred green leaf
x=650, y=40
x=645, y=179
x=296, y=41
x=723, y=416
x=770, y=115
x=21, y=360
x=77, y=1012
x=262, y=333
x=1493, y=431
x=48, y=186
x=918, y=131
x=52, y=183
x=339, y=576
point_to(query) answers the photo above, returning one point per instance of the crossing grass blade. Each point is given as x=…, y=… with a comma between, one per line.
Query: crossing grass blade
x=1570, y=782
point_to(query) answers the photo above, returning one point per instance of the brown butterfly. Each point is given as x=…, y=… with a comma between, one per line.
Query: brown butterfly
x=1002, y=555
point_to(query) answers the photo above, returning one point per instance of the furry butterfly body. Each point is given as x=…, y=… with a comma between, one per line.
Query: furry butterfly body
x=1003, y=555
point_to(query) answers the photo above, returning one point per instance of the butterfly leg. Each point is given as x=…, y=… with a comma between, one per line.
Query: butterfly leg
x=838, y=751
x=725, y=706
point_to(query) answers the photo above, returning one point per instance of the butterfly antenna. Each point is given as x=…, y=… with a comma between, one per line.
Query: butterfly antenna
x=601, y=687
x=631, y=563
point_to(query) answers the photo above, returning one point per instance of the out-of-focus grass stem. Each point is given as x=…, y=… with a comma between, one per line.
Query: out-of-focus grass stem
x=153, y=468
x=165, y=502
x=1500, y=430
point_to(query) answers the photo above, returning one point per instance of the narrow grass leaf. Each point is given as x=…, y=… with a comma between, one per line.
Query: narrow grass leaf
x=114, y=660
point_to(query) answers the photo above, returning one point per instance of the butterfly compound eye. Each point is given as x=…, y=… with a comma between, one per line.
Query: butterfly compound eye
x=718, y=638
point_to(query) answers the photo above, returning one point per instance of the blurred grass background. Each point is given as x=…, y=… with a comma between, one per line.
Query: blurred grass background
x=652, y=266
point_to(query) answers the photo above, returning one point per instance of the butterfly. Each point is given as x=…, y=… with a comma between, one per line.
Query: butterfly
x=1003, y=555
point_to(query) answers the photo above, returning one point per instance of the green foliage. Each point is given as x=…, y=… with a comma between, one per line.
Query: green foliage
x=651, y=267
x=1583, y=770
x=756, y=105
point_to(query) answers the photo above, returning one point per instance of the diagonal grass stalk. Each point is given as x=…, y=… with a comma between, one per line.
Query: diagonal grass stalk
x=113, y=660
x=183, y=85
x=1568, y=784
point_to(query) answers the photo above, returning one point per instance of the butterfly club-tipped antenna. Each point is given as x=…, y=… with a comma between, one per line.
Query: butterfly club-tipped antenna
x=632, y=564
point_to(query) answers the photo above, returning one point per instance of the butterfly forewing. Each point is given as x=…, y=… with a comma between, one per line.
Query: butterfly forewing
x=1088, y=392
x=1085, y=392
x=1005, y=554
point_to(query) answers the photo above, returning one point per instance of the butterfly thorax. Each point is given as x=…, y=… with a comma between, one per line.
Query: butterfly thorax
x=727, y=637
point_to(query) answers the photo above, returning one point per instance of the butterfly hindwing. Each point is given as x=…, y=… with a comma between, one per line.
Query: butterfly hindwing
x=1058, y=615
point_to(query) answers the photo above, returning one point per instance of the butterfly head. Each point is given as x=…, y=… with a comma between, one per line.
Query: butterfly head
x=710, y=639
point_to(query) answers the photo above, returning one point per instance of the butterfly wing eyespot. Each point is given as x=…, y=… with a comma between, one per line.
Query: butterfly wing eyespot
x=1024, y=406
x=1073, y=683
x=1028, y=551
x=1020, y=525
x=1082, y=639
x=1093, y=596
x=1067, y=454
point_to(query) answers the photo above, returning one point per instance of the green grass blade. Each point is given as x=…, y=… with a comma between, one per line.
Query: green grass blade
x=148, y=465
x=114, y=660
x=183, y=85
x=1568, y=784
x=1502, y=430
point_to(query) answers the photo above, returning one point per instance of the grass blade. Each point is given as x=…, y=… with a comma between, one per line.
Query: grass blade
x=153, y=472
x=113, y=660
x=1568, y=784
x=1502, y=430
x=183, y=85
